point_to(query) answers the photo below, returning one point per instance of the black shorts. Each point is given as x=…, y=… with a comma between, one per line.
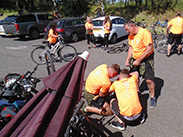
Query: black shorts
x=146, y=68
x=125, y=119
x=174, y=37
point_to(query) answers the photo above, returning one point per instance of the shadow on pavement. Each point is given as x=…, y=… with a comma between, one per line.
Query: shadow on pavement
x=116, y=134
x=159, y=83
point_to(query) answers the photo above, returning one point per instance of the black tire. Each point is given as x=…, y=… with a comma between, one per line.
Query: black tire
x=34, y=33
x=113, y=39
x=115, y=50
x=49, y=63
x=22, y=37
x=68, y=53
x=37, y=55
x=74, y=37
x=162, y=46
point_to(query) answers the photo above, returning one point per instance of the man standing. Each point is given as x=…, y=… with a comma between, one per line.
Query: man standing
x=141, y=56
x=96, y=88
x=176, y=29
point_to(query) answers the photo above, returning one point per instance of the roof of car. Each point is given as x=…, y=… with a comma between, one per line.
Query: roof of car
x=111, y=17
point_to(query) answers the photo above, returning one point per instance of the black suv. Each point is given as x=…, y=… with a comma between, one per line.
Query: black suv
x=71, y=29
x=31, y=24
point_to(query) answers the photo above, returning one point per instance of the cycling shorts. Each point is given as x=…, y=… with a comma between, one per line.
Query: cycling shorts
x=146, y=67
x=174, y=37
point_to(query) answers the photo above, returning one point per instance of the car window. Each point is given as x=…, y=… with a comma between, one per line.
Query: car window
x=119, y=21
x=77, y=22
x=60, y=23
x=69, y=24
x=10, y=18
x=26, y=18
x=97, y=23
x=43, y=17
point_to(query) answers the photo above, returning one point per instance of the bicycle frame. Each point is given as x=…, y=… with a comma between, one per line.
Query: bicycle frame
x=161, y=23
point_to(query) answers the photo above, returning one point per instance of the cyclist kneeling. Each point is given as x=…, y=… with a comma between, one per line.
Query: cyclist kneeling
x=126, y=108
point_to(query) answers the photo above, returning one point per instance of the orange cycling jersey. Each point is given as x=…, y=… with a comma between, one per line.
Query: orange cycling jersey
x=176, y=25
x=51, y=38
x=106, y=25
x=98, y=80
x=139, y=42
x=89, y=28
x=127, y=96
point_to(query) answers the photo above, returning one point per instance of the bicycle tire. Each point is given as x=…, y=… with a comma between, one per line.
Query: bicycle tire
x=115, y=50
x=162, y=46
x=68, y=53
x=37, y=57
x=49, y=63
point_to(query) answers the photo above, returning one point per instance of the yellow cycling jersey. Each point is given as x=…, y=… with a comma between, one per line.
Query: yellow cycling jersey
x=176, y=25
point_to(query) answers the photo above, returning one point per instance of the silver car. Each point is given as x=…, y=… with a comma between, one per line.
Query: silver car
x=117, y=31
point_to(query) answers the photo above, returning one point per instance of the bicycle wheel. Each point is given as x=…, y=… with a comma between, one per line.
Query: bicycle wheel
x=162, y=46
x=37, y=55
x=115, y=50
x=49, y=63
x=68, y=53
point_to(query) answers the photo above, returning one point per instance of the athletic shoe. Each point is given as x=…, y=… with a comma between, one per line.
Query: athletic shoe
x=153, y=102
x=143, y=118
x=120, y=126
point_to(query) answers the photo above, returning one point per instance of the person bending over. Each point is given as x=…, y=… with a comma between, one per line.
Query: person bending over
x=96, y=89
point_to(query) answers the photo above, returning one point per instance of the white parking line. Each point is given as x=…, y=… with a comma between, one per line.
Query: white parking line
x=17, y=48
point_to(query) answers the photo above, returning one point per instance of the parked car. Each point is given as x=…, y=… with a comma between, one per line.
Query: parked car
x=117, y=31
x=31, y=24
x=71, y=29
x=2, y=33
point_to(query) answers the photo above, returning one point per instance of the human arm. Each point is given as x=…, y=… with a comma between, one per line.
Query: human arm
x=149, y=49
x=128, y=56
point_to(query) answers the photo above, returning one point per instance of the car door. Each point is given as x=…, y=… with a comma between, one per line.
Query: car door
x=118, y=26
x=79, y=27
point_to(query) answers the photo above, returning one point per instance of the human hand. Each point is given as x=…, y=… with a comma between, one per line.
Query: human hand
x=127, y=63
x=136, y=63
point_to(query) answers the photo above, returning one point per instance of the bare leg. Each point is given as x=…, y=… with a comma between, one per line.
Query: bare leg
x=179, y=48
x=105, y=111
x=169, y=49
x=151, y=86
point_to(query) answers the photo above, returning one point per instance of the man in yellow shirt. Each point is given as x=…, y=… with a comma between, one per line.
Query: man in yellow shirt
x=126, y=108
x=141, y=56
x=175, y=26
x=96, y=88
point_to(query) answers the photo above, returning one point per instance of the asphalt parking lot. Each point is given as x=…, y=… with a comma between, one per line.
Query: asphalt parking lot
x=163, y=121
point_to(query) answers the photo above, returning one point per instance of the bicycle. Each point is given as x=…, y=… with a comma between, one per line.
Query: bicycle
x=49, y=63
x=160, y=23
x=80, y=125
x=67, y=52
x=118, y=49
x=162, y=46
x=157, y=34
x=141, y=23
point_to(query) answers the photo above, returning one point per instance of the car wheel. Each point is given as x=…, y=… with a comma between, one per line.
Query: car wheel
x=114, y=38
x=74, y=37
x=34, y=34
x=22, y=37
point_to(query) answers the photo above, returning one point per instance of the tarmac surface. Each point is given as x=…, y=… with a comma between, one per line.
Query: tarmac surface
x=163, y=121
